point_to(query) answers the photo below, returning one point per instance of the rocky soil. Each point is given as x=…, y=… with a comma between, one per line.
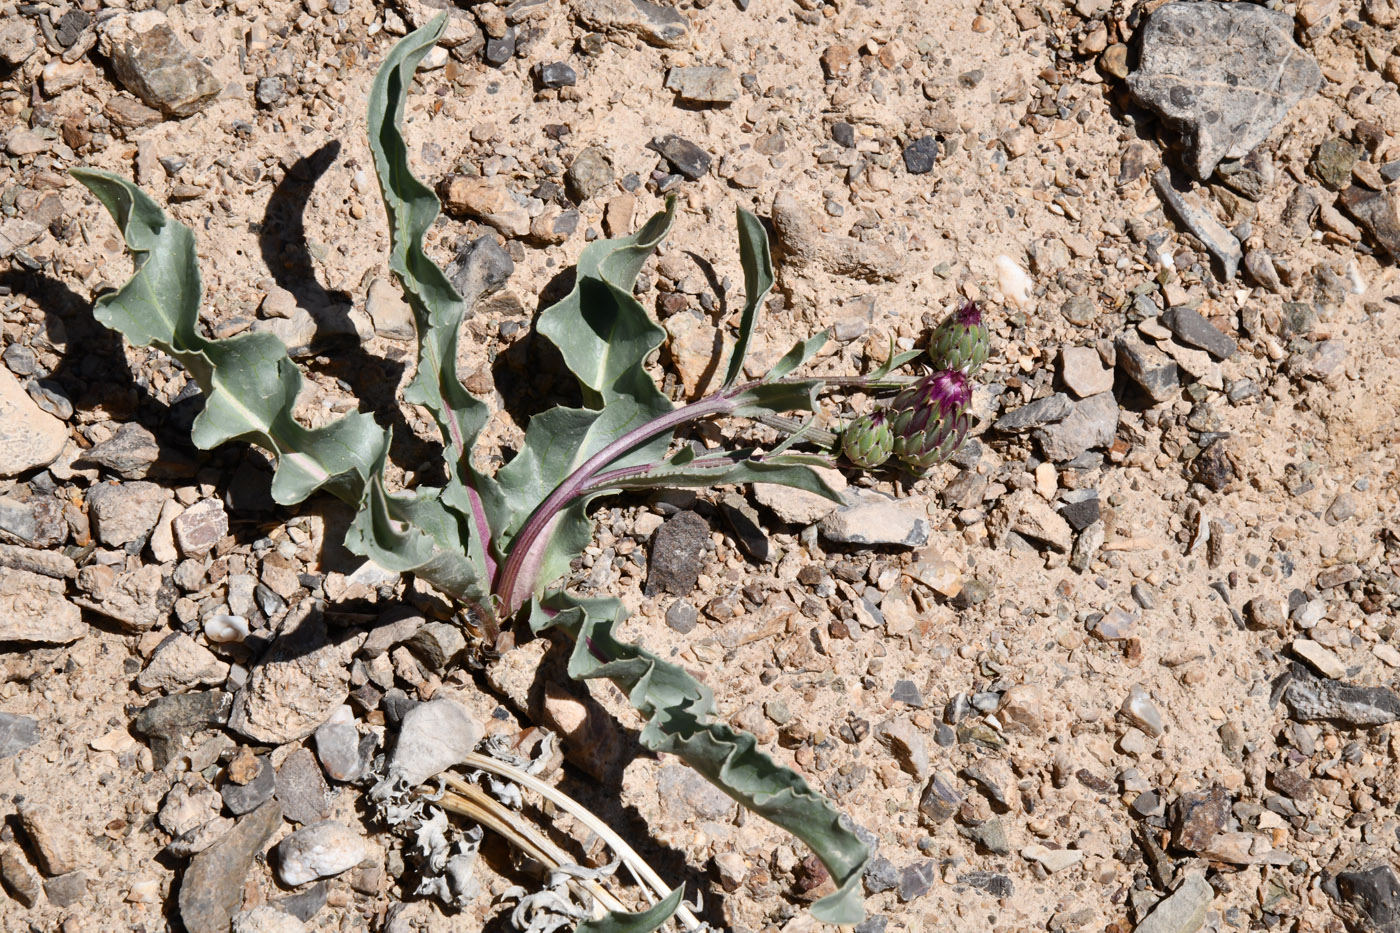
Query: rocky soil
x=1127, y=663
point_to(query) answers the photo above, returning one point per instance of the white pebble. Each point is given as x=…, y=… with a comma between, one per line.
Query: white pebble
x=319, y=851
x=1014, y=282
x=225, y=628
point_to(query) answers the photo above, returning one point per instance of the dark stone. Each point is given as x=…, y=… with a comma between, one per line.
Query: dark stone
x=1376, y=214
x=589, y=173
x=16, y=734
x=880, y=875
x=1252, y=176
x=306, y=904
x=1197, y=816
x=1312, y=699
x=1221, y=74
x=684, y=157
x=499, y=51
x=844, y=134
x=916, y=880
x=1081, y=514
x=877, y=923
x=245, y=798
x=301, y=788
x=906, y=692
x=1213, y=468
x=675, y=559
x=988, y=835
x=66, y=890
x=1188, y=326
x=1371, y=893
x=270, y=91
x=681, y=617
x=396, y=705
x=1148, y=803
x=1149, y=367
x=920, y=155
x=480, y=268
x=70, y=26
x=742, y=519
x=1333, y=162
x=1218, y=239
x=940, y=800
x=995, y=884
x=168, y=721
x=212, y=887
x=1042, y=411
x=557, y=74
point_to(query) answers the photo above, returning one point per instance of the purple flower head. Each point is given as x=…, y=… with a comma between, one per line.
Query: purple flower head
x=969, y=314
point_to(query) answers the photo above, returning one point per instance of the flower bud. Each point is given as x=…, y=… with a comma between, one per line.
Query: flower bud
x=867, y=441
x=932, y=419
x=960, y=343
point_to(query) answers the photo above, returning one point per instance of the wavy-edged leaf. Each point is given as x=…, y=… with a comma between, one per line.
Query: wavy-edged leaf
x=757, y=262
x=412, y=207
x=680, y=714
x=438, y=309
x=601, y=331
x=799, y=354
x=416, y=532
x=644, y=921
x=250, y=385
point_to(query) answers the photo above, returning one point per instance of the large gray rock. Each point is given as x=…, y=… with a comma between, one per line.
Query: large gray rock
x=1369, y=898
x=1092, y=423
x=319, y=851
x=871, y=518
x=213, y=884
x=1222, y=74
x=1182, y=911
x=124, y=512
x=654, y=23
x=152, y=63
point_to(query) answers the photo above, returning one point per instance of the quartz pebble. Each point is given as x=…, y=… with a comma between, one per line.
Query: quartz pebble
x=320, y=850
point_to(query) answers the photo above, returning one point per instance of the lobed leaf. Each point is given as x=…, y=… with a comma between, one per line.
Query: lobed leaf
x=680, y=714
x=757, y=263
x=250, y=385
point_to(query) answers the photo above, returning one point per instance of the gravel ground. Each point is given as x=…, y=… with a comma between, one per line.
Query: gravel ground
x=1127, y=662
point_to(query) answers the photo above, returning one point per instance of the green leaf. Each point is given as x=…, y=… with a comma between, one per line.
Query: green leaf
x=757, y=263
x=641, y=922
x=412, y=207
x=250, y=385
x=777, y=397
x=680, y=714
x=798, y=355
x=602, y=332
x=438, y=309
x=893, y=361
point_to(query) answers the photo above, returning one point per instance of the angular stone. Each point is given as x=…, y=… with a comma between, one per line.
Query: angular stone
x=212, y=887
x=124, y=512
x=181, y=663
x=684, y=157
x=1188, y=326
x=654, y=23
x=35, y=610
x=1182, y=911
x=16, y=734
x=298, y=683
x=301, y=788
x=391, y=315
x=1221, y=243
x=168, y=721
x=29, y=436
x=1222, y=74
x=703, y=84
x=1370, y=896
x=1376, y=213
x=1149, y=367
x=1311, y=699
x=916, y=880
x=906, y=744
x=798, y=506
x=748, y=532
x=18, y=40
x=438, y=644
x=338, y=746
x=940, y=800
x=1139, y=710
x=676, y=553
x=1035, y=414
x=152, y=63
x=1197, y=816
x=129, y=453
x=1053, y=860
x=248, y=796
x=36, y=521
x=480, y=268
x=20, y=880
x=1321, y=659
x=1030, y=516
x=1083, y=373
x=871, y=518
x=1092, y=423
x=557, y=75
x=58, y=848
